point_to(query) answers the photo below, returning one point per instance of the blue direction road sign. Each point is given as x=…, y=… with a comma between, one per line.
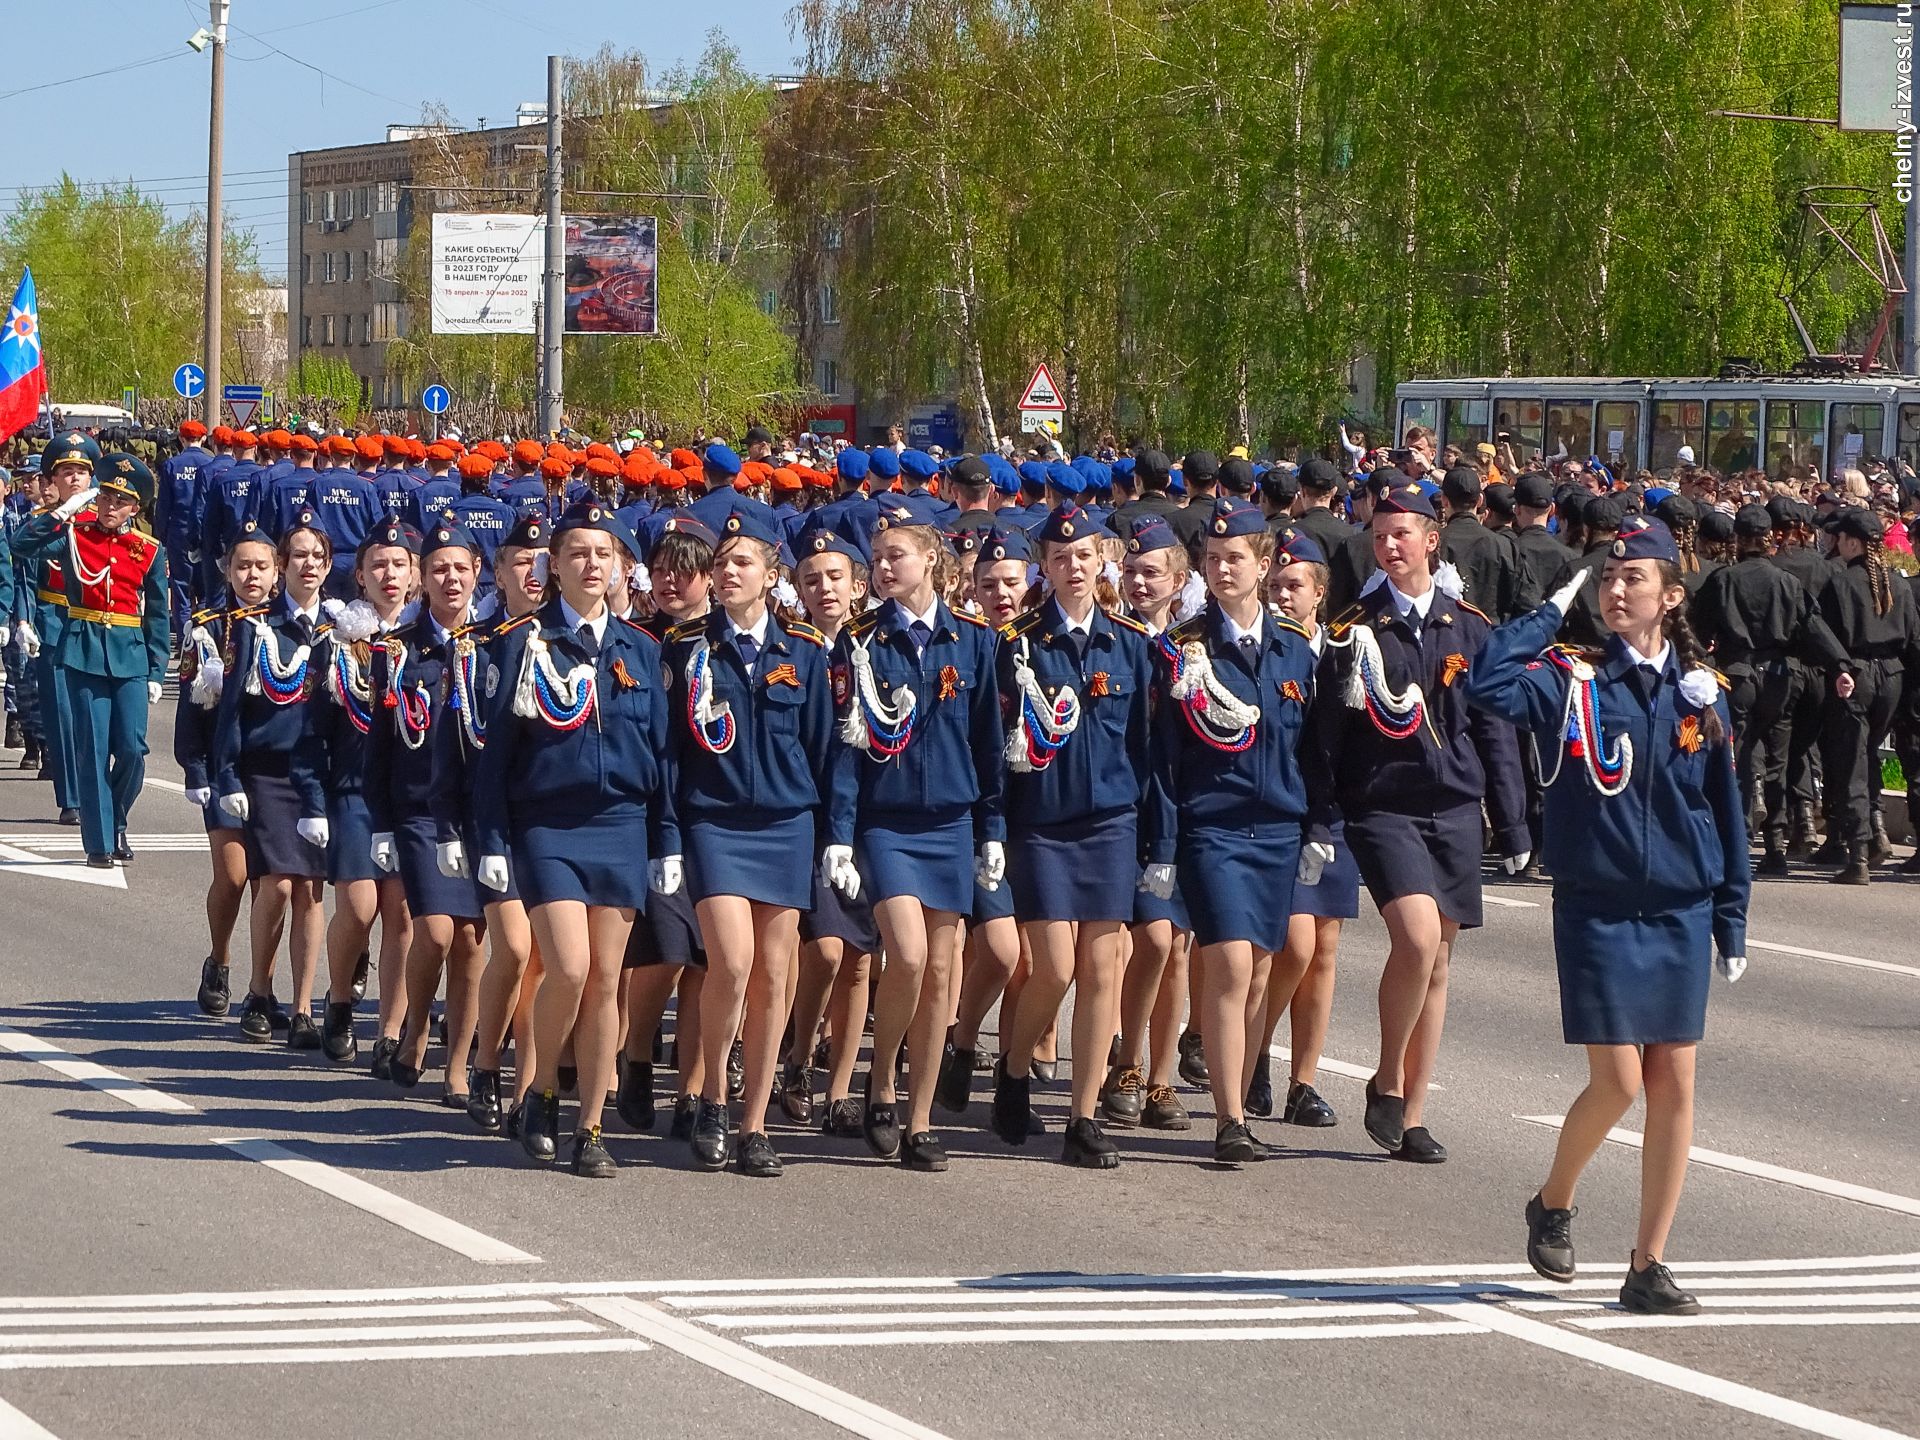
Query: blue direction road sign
x=243, y=401
x=435, y=399
x=189, y=380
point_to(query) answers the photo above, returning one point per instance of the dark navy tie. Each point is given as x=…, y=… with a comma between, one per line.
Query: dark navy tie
x=587, y=641
x=749, y=651
x=921, y=633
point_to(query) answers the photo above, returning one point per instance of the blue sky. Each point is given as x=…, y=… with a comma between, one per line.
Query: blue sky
x=383, y=59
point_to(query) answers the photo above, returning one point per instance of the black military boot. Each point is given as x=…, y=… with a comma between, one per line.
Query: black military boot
x=1855, y=871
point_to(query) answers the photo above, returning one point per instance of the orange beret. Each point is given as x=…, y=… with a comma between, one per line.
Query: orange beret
x=222, y=435
x=370, y=447
x=492, y=449
x=668, y=478
x=475, y=467
x=684, y=460
x=600, y=451
x=393, y=445
x=819, y=479
x=528, y=452
x=441, y=453
x=341, y=445
x=277, y=440
x=754, y=472
x=602, y=468
x=191, y=430
x=785, y=480
x=557, y=451
x=305, y=444
x=246, y=439
x=551, y=469
x=416, y=449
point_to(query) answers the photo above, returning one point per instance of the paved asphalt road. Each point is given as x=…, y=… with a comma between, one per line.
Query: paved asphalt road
x=158, y=1280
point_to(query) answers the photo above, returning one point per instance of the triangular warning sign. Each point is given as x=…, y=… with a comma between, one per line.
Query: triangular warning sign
x=1042, y=393
x=242, y=410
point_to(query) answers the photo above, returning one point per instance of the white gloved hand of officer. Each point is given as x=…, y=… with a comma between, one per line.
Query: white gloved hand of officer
x=236, y=805
x=989, y=865
x=837, y=870
x=202, y=797
x=154, y=691
x=493, y=873
x=450, y=857
x=1514, y=864
x=6, y=633
x=29, y=640
x=74, y=504
x=664, y=875
x=1562, y=599
x=1157, y=881
x=1315, y=856
x=385, y=857
x=1731, y=967
x=315, y=832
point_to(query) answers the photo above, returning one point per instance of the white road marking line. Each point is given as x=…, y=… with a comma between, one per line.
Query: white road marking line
x=1740, y=1165
x=1728, y=1302
x=291, y=1334
x=1028, y=1317
x=25, y=862
x=1337, y=1067
x=271, y=1315
x=17, y=1426
x=427, y=1224
x=319, y=1354
x=1674, y=1377
x=1052, y=1295
x=160, y=783
x=803, y=1392
x=1849, y=1317
x=874, y=1339
x=1503, y=901
x=1858, y=961
x=111, y=1082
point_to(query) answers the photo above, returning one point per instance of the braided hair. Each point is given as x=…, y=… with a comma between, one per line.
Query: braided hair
x=1879, y=578
x=1688, y=652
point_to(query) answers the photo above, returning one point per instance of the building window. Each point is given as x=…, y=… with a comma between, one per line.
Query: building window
x=346, y=265
x=346, y=206
x=327, y=268
x=366, y=264
x=306, y=269
x=829, y=377
x=833, y=235
x=387, y=196
x=306, y=207
x=364, y=198
x=366, y=329
x=386, y=255
x=326, y=205
x=829, y=306
x=326, y=330
x=306, y=331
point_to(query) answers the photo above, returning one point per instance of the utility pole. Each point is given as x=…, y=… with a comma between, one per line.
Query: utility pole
x=216, y=124
x=553, y=309
x=1910, y=306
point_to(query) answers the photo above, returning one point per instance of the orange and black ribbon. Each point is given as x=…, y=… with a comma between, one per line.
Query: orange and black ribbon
x=1456, y=666
x=1290, y=690
x=949, y=682
x=1101, y=684
x=622, y=678
x=1688, y=736
x=783, y=675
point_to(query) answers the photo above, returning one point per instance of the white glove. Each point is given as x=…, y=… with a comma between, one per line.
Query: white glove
x=385, y=856
x=664, y=874
x=1157, y=881
x=493, y=872
x=1514, y=864
x=74, y=504
x=201, y=797
x=315, y=832
x=837, y=870
x=6, y=633
x=29, y=640
x=154, y=689
x=1315, y=856
x=1732, y=967
x=236, y=805
x=1562, y=599
x=451, y=858
x=990, y=865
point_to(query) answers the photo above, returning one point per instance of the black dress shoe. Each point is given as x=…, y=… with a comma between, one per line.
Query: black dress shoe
x=846, y=1119
x=1233, y=1144
x=483, y=1101
x=634, y=1103
x=1386, y=1118
x=214, y=996
x=256, y=1020
x=795, y=1092
x=383, y=1053
x=1193, y=1059
x=1012, y=1105
x=1087, y=1146
x=1305, y=1107
x=880, y=1125
x=122, y=851
x=1550, y=1241
x=955, y=1086
x=14, y=737
x=1834, y=852
x=1121, y=1096
x=516, y=1115
x=1417, y=1147
x=1773, y=865
x=540, y=1127
x=360, y=971
x=336, y=1032
x=590, y=1158
x=300, y=1033
x=686, y=1110
x=1044, y=1071
x=99, y=862
x=1162, y=1110
x=710, y=1136
x=1910, y=865
x=569, y=1078
x=1652, y=1292
x=451, y=1099
x=276, y=1014
x=69, y=816
x=922, y=1150
x=755, y=1157
x=1260, y=1087
x=736, y=1071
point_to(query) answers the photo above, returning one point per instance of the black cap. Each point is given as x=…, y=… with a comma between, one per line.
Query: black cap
x=1152, y=466
x=1279, y=485
x=1715, y=526
x=1499, y=497
x=1677, y=510
x=1533, y=490
x=971, y=470
x=1605, y=512
x=1752, y=521
x=758, y=434
x=1319, y=476
x=1783, y=512
x=1857, y=521
x=1461, y=484
x=1202, y=465
x=1236, y=475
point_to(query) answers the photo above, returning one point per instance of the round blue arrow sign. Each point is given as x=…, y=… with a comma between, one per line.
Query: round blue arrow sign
x=189, y=381
x=435, y=399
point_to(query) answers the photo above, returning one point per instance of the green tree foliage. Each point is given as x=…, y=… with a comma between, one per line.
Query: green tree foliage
x=121, y=286
x=325, y=388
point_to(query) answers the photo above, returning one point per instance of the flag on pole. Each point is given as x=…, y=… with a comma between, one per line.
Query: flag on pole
x=23, y=369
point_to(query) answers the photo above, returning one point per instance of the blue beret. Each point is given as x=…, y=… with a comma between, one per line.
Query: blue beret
x=1070, y=522
x=1401, y=496
x=69, y=446
x=851, y=464
x=1639, y=538
x=1655, y=494
x=592, y=515
x=721, y=458
x=1033, y=474
x=1298, y=546
x=1005, y=478
x=884, y=463
x=817, y=537
x=393, y=533
x=1151, y=532
x=754, y=526
x=685, y=524
x=448, y=536
x=1064, y=478
x=1122, y=469
x=1233, y=516
x=900, y=510
x=530, y=531
x=1177, y=481
x=917, y=465
x=1003, y=542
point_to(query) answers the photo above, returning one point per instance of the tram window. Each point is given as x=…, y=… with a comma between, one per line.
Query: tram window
x=1569, y=429
x=1616, y=434
x=1733, y=431
x=1855, y=434
x=1675, y=423
x=1520, y=422
x=1418, y=412
x=1466, y=423
x=1909, y=437
x=1796, y=438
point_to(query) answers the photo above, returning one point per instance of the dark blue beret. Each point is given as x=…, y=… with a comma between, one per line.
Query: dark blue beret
x=1151, y=532
x=1069, y=522
x=1003, y=542
x=1233, y=516
x=1640, y=538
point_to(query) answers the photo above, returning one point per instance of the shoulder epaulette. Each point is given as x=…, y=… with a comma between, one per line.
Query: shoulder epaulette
x=1287, y=622
x=1474, y=610
x=516, y=624
x=1127, y=622
x=1020, y=625
x=686, y=629
x=1346, y=620
x=1192, y=628
x=863, y=622
x=972, y=619
x=634, y=624
x=806, y=632
x=202, y=617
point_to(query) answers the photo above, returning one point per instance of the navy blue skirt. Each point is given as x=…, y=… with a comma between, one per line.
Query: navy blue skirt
x=599, y=860
x=834, y=917
x=1084, y=869
x=1239, y=882
x=933, y=862
x=217, y=819
x=1437, y=855
x=1633, y=980
x=668, y=934
x=274, y=846
x=428, y=891
x=1148, y=907
x=770, y=861
x=992, y=904
x=1336, y=896
x=349, y=840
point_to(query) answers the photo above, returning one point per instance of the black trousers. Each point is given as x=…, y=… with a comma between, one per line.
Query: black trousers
x=1762, y=700
x=1849, y=752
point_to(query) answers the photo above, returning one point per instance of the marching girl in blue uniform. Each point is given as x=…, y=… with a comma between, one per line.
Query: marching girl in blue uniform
x=1077, y=683
x=568, y=806
x=916, y=793
x=1302, y=978
x=252, y=571
x=1153, y=993
x=344, y=717
x=751, y=730
x=1410, y=764
x=838, y=937
x=1646, y=839
x=1236, y=684
x=409, y=689
x=266, y=765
